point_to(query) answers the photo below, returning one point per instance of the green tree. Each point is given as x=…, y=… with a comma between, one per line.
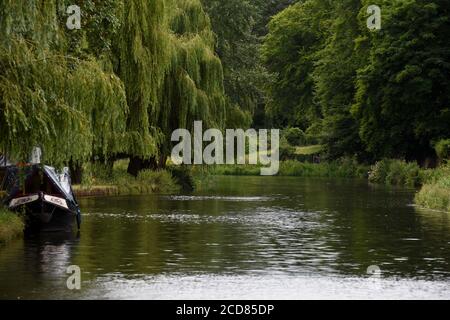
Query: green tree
x=233, y=22
x=290, y=53
x=403, y=93
x=50, y=95
x=267, y=10
x=134, y=72
x=335, y=76
x=193, y=87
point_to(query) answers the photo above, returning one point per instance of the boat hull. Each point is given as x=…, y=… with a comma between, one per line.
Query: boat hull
x=44, y=215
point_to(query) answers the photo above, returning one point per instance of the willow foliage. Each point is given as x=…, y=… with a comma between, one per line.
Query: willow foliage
x=195, y=69
x=49, y=97
x=135, y=71
x=143, y=59
x=170, y=71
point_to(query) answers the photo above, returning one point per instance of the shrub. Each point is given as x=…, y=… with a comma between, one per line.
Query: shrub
x=286, y=150
x=236, y=170
x=437, y=175
x=379, y=172
x=154, y=181
x=443, y=149
x=434, y=196
x=435, y=193
x=313, y=134
x=403, y=173
x=395, y=172
x=342, y=168
x=183, y=176
x=101, y=175
x=11, y=225
x=295, y=136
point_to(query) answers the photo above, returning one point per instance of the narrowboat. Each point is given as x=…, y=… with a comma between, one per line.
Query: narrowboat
x=43, y=195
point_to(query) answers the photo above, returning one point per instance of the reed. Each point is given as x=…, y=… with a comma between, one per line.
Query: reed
x=11, y=225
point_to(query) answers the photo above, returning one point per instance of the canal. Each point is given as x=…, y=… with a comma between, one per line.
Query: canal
x=242, y=238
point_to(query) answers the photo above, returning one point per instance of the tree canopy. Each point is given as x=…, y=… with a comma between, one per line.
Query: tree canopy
x=138, y=69
x=382, y=93
x=135, y=71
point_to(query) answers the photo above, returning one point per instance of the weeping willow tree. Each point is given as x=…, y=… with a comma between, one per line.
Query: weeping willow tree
x=193, y=86
x=143, y=60
x=51, y=95
x=135, y=71
x=171, y=74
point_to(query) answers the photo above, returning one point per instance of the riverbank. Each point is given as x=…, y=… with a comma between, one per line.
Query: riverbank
x=434, y=184
x=11, y=225
x=435, y=192
x=343, y=168
x=98, y=182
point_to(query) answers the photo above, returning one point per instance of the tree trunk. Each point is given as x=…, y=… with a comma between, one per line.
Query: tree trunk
x=135, y=166
x=162, y=161
x=152, y=163
x=138, y=164
x=76, y=173
x=109, y=165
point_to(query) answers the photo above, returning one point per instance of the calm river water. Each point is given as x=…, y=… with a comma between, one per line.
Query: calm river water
x=242, y=238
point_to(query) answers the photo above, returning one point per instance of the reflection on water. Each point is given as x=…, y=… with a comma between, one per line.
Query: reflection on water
x=264, y=287
x=245, y=237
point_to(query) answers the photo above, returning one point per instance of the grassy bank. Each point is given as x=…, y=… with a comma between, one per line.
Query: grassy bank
x=435, y=192
x=344, y=168
x=434, y=184
x=11, y=225
x=98, y=180
x=397, y=172
x=308, y=150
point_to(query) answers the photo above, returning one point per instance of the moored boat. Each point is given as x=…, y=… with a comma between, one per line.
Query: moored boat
x=42, y=194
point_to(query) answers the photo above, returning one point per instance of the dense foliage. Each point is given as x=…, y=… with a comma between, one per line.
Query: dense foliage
x=135, y=71
x=375, y=94
x=11, y=225
x=239, y=26
x=435, y=193
x=138, y=69
x=67, y=102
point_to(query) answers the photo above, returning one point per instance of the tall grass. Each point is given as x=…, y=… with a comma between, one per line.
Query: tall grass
x=396, y=172
x=308, y=150
x=435, y=193
x=344, y=168
x=235, y=170
x=11, y=225
x=101, y=179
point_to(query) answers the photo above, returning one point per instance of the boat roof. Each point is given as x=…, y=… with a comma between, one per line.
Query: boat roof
x=60, y=179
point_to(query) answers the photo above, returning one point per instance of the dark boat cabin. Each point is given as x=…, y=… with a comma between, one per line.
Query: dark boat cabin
x=42, y=194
